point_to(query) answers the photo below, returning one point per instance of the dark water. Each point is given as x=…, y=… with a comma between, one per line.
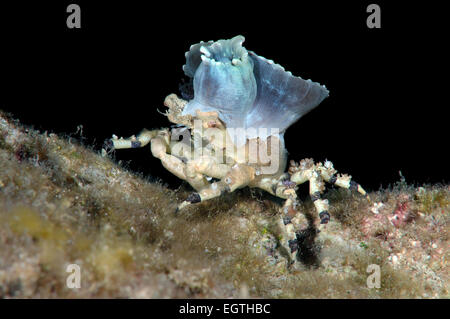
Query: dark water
x=384, y=114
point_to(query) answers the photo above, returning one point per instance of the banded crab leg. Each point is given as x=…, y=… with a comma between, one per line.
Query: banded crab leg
x=160, y=140
x=290, y=217
x=316, y=174
x=291, y=221
x=238, y=176
x=133, y=142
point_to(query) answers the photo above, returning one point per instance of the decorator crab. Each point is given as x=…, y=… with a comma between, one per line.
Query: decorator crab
x=232, y=132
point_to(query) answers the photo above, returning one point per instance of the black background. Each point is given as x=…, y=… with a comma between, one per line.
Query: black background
x=385, y=112
x=349, y=308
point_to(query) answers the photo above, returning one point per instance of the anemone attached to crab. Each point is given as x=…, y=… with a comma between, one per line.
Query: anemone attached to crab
x=233, y=132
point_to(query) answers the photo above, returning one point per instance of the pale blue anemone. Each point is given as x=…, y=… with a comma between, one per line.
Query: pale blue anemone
x=245, y=89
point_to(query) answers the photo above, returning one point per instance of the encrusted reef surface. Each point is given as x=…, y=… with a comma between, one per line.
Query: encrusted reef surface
x=62, y=203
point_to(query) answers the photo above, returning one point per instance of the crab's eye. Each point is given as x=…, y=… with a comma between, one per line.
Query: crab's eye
x=228, y=180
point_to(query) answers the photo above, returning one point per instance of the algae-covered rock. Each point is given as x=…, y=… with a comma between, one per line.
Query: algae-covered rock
x=62, y=203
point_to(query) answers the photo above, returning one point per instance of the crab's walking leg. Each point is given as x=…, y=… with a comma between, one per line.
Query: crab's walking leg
x=195, y=172
x=287, y=226
x=159, y=147
x=213, y=190
x=238, y=176
x=134, y=142
x=329, y=174
x=290, y=219
x=316, y=188
x=317, y=174
x=198, y=168
x=173, y=164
